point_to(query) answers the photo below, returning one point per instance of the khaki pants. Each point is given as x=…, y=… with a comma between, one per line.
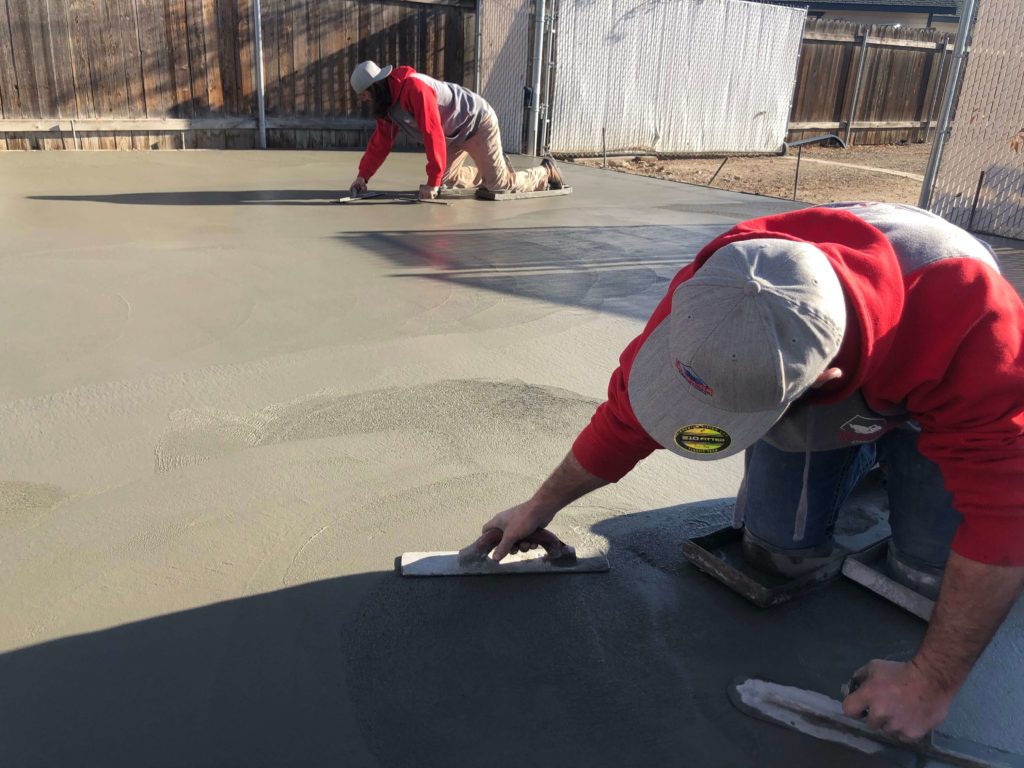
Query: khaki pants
x=492, y=169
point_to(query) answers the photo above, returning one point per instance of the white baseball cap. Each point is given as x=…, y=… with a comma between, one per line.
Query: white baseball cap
x=366, y=74
x=748, y=334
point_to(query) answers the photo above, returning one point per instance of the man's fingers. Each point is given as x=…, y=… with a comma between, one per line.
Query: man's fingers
x=856, y=704
x=511, y=543
x=504, y=547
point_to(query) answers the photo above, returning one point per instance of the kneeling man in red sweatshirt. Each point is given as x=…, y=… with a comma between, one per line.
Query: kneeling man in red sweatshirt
x=822, y=343
x=451, y=122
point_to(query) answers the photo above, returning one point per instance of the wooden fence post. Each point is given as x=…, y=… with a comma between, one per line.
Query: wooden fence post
x=935, y=88
x=857, y=82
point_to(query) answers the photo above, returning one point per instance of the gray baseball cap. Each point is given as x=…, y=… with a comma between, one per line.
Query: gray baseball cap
x=366, y=74
x=748, y=333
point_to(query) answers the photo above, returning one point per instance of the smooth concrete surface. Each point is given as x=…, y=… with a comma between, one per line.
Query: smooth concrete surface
x=227, y=405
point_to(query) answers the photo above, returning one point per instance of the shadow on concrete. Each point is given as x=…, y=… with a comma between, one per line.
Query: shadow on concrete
x=241, y=197
x=624, y=668
x=619, y=269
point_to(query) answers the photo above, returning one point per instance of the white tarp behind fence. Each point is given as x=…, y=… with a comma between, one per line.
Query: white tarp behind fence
x=504, y=62
x=984, y=155
x=674, y=76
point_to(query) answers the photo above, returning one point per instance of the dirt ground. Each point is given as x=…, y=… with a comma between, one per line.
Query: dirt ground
x=887, y=173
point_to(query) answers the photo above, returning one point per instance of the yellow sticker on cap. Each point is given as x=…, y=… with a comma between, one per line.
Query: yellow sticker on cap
x=702, y=438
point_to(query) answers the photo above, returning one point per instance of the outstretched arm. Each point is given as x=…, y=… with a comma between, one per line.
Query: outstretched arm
x=567, y=483
x=381, y=142
x=911, y=698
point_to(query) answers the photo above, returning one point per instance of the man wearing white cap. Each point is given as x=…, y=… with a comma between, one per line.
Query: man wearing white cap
x=452, y=123
x=820, y=342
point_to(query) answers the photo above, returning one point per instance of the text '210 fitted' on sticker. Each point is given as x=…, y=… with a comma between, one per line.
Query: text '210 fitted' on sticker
x=702, y=438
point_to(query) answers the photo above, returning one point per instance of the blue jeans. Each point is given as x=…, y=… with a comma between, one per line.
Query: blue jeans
x=921, y=512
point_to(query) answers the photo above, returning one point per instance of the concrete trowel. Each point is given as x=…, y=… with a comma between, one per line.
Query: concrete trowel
x=816, y=715
x=553, y=556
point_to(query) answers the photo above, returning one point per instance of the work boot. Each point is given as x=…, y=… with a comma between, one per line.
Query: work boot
x=555, y=180
x=922, y=579
x=789, y=564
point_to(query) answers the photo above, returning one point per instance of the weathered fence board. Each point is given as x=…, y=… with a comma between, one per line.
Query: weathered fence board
x=901, y=73
x=123, y=61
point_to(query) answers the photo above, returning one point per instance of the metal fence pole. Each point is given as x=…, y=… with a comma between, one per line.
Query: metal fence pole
x=796, y=176
x=956, y=70
x=479, y=47
x=261, y=112
x=549, y=64
x=856, y=84
x=538, y=50
x=974, y=204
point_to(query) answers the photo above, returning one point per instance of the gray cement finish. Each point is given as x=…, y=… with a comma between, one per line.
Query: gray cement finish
x=226, y=406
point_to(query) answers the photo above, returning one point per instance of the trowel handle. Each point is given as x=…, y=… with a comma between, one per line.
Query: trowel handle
x=555, y=548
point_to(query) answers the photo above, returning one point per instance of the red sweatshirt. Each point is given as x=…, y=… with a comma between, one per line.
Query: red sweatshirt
x=935, y=334
x=433, y=112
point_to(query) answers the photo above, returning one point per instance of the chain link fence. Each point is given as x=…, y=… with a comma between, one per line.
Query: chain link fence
x=504, y=63
x=674, y=76
x=980, y=181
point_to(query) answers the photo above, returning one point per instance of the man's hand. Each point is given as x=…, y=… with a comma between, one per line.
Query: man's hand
x=909, y=699
x=358, y=187
x=427, y=192
x=567, y=483
x=899, y=698
x=515, y=525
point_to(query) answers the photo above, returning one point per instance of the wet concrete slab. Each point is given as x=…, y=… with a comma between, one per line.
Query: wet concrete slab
x=227, y=404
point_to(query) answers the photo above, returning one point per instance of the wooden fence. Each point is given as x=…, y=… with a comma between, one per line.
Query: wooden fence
x=869, y=85
x=138, y=74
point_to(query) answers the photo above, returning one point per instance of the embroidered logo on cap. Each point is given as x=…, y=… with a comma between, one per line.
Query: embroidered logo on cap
x=693, y=379
x=702, y=438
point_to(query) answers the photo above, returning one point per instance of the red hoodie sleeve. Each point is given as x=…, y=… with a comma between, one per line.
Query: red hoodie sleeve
x=613, y=442
x=381, y=142
x=959, y=367
x=420, y=101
